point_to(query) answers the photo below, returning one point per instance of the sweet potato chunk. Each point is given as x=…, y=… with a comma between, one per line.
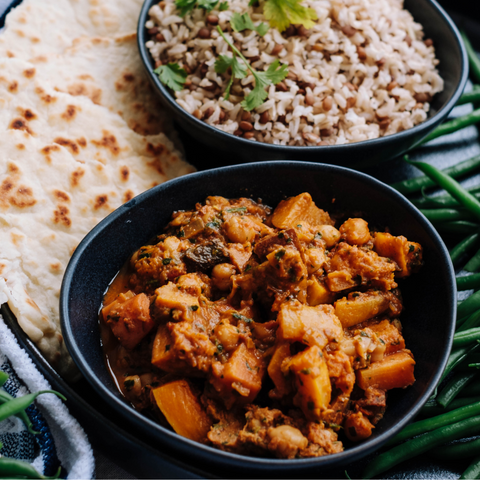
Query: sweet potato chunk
x=297, y=209
x=407, y=255
x=318, y=293
x=310, y=325
x=170, y=296
x=240, y=379
x=282, y=385
x=129, y=319
x=360, y=306
x=390, y=335
x=182, y=409
x=394, y=371
x=313, y=382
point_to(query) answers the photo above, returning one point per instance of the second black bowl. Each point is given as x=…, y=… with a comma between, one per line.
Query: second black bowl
x=453, y=69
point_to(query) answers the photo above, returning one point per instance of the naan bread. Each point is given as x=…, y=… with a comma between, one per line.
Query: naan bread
x=65, y=163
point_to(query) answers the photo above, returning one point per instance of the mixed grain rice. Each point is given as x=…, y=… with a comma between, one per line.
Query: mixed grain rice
x=363, y=71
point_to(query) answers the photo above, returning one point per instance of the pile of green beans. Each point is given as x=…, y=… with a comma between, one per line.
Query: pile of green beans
x=9, y=467
x=453, y=412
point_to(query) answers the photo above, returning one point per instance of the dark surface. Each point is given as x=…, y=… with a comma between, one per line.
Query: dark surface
x=429, y=296
x=229, y=149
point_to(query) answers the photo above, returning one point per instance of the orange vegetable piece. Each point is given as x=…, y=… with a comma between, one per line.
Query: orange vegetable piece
x=299, y=209
x=360, y=306
x=182, y=409
x=390, y=335
x=129, y=319
x=394, y=371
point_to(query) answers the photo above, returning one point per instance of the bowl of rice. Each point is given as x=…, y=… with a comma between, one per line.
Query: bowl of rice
x=339, y=81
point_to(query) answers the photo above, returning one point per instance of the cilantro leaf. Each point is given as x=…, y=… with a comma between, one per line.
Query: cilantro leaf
x=275, y=73
x=185, y=6
x=240, y=22
x=172, y=76
x=208, y=5
x=282, y=13
x=252, y=3
x=223, y=6
x=239, y=70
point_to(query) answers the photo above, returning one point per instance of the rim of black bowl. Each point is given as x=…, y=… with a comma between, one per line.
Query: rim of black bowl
x=184, y=445
x=421, y=130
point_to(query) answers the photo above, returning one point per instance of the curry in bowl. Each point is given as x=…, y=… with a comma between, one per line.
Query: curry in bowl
x=260, y=332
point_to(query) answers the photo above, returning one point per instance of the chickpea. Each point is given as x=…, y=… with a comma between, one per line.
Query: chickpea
x=355, y=231
x=330, y=235
x=357, y=427
x=287, y=440
x=227, y=335
x=239, y=229
x=222, y=274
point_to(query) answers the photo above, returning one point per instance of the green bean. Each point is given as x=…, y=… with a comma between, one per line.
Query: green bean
x=454, y=387
x=471, y=322
x=432, y=409
x=473, y=60
x=424, y=443
x=470, y=305
x=453, y=125
x=463, y=227
x=18, y=404
x=473, y=470
x=470, y=97
x=466, y=282
x=3, y=378
x=460, y=169
x=466, y=337
x=457, y=450
x=457, y=356
x=451, y=186
x=442, y=201
x=22, y=415
x=474, y=263
x=436, y=215
x=429, y=424
x=11, y=468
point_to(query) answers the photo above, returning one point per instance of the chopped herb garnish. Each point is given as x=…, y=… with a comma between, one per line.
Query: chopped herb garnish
x=273, y=75
x=411, y=248
x=364, y=334
x=306, y=371
x=248, y=268
x=223, y=6
x=238, y=316
x=241, y=22
x=283, y=13
x=194, y=308
x=186, y=6
x=212, y=225
x=167, y=348
x=248, y=366
x=144, y=255
x=166, y=261
x=172, y=75
x=153, y=283
x=236, y=210
x=279, y=254
x=208, y=5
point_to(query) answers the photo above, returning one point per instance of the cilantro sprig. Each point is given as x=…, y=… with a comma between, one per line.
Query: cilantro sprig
x=241, y=22
x=273, y=75
x=282, y=13
x=186, y=6
x=172, y=75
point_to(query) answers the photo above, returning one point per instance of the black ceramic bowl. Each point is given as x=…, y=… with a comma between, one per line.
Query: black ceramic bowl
x=453, y=68
x=429, y=296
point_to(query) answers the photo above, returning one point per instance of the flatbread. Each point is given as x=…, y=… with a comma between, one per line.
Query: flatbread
x=65, y=163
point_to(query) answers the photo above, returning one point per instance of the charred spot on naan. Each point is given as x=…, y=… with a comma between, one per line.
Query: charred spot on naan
x=45, y=97
x=127, y=196
x=109, y=142
x=81, y=89
x=71, y=145
x=61, y=196
x=56, y=267
x=22, y=197
x=26, y=113
x=49, y=149
x=60, y=216
x=13, y=168
x=13, y=87
x=16, y=238
x=76, y=176
x=101, y=201
x=20, y=124
x=20, y=146
x=124, y=173
x=29, y=72
x=70, y=113
x=82, y=142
